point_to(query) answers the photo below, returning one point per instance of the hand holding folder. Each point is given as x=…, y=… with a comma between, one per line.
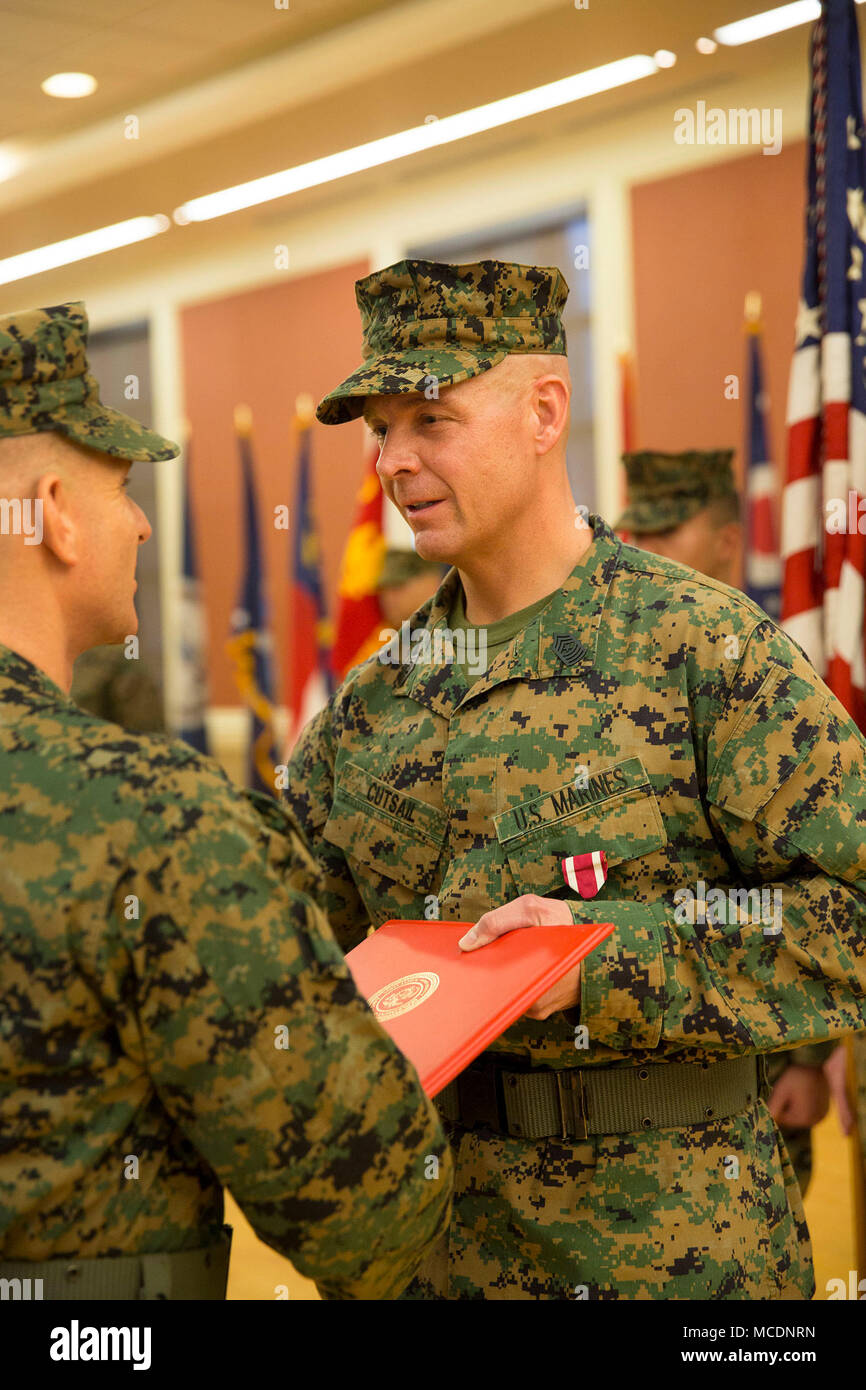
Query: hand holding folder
x=529, y=911
x=442, y=1005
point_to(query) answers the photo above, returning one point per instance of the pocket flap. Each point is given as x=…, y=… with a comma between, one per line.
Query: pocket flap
x=397, y=834
x=616, y=812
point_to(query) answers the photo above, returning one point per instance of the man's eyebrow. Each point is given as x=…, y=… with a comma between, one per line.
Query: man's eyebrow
x=370, y=417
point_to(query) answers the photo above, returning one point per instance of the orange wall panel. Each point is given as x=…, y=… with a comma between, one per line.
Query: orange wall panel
x=263, y=348
x=701, y=241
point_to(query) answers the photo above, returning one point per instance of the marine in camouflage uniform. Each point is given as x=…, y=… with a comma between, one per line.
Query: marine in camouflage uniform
x=111, y=686
x=406, y=581
x=686, y=506
x=175, y=1015
x=622, y=1149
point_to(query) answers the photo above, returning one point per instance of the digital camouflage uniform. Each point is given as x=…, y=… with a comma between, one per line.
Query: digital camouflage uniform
x=175, y=1015
x=713, y=753
x=664, y=491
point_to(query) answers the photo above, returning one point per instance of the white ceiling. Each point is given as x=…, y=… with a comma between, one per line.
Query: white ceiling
x=230, y=90
x=140, y=49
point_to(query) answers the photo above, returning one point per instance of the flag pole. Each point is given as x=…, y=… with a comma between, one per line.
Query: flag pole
x=246, y=646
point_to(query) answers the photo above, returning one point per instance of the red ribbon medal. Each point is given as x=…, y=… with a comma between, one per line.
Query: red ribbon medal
x=585, y=872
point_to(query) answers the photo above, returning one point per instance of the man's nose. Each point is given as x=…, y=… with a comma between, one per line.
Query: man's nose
x=397, y=455
x=145, y=530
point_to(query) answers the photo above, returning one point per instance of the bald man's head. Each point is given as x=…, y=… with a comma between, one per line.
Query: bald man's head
x=23, y=457
x=518, y=378
x=529, y=366
x=80, y=572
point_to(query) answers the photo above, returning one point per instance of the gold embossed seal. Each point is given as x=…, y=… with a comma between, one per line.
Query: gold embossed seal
x=402, y=995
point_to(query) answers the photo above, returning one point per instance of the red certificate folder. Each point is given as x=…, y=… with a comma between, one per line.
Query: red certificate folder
x=443, y=1006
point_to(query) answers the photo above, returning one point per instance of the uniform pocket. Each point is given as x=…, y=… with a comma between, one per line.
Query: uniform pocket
x=385, y=830
x=617, y=812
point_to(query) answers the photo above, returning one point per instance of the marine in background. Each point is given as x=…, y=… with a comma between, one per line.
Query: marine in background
x=686, y=506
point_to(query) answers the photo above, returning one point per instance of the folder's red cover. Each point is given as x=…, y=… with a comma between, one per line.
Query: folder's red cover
x=443, y=1006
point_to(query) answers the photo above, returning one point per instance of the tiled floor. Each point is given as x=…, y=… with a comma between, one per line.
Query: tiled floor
x=829, y=1206
x=258, y=1273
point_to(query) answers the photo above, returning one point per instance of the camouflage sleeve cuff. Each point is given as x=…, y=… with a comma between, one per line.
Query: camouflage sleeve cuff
x=622, y=988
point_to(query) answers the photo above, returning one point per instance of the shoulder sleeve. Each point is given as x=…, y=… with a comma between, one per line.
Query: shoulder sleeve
x=781, y=960
x=308, y=801
x=239, y=1005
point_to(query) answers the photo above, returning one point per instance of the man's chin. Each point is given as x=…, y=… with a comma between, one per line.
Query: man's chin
x=119, y=633
x=438, y=549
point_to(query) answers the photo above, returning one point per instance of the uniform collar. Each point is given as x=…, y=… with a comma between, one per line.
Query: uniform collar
x=17, y=670
x=559, y=641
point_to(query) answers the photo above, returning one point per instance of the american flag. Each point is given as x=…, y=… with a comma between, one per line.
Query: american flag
x=823, y=508
x=763, y=568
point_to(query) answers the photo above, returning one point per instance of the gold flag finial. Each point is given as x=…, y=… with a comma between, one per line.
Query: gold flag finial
x=753, y=309
x=243, y=420
x=305, y=411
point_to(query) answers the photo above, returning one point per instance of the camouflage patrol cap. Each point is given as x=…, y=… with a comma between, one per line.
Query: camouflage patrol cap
x=424, y=319
x=45, y=384
x=402, y=565
x=664, y=490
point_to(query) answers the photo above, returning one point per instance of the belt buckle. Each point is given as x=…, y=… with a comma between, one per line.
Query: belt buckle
x=573, y=1080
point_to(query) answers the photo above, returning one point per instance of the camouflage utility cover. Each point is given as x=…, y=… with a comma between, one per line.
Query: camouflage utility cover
x=424, y=319
x=710, y=751
x=45, y=384
x=154, y=945
x=664, y=490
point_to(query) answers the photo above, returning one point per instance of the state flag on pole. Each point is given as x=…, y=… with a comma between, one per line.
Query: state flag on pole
x=249, y=646
x=823, y=508
x=310, y=679
x=763, y=575
x=359, y=616
x=191, y=689
x=585, y=873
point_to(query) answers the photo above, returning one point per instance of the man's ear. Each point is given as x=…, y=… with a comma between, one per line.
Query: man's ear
x=60, y=533
x=551, y=400
x=730, y=539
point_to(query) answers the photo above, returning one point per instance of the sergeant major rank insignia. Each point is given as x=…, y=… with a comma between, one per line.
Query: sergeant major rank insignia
x=567, y=648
